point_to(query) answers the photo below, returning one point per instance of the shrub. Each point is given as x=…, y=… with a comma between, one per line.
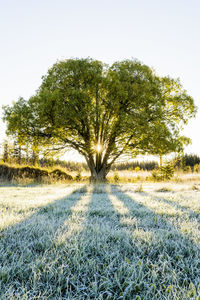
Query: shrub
x=156, y=175
x=137, y=169
x=197, y=168
x=187, y=169
x=167, y=171
x=26, y=173
x=60, y=175
x=78, y=176
x=163, y=173
x=116, y=177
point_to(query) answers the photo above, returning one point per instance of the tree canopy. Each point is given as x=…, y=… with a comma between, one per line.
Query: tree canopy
x=103, y=111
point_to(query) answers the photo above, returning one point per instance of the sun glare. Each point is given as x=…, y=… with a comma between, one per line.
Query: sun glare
x=98, y=148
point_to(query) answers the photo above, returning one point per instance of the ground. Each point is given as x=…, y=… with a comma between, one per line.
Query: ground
x=128, y=241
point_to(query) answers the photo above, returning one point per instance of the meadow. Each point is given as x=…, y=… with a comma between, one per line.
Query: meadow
x=106, y=241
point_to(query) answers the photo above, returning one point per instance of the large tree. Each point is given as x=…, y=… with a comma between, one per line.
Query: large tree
x=103, y=112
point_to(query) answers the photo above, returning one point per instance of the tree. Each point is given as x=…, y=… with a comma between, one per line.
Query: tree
x=6, y=151
x=101, y=111
x=163, y=141
x=17, y=153
x=165, y=137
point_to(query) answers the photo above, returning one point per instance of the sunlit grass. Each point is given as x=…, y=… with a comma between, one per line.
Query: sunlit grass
x=99, y=242
x=118, y=205
x=17, y=204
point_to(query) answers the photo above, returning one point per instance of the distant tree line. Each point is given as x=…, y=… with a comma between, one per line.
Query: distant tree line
x=13, y=153
x=145, y=165
x=69, y=165
x=187, y=160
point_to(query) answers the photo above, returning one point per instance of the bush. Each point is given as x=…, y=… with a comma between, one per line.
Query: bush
x=78, y=176
x=187, y=169
x=137, y=169
x=163, y=173
x=25, y=173
x=197, y=168
x=156, y=175
x=60, y=175
x=116, y=177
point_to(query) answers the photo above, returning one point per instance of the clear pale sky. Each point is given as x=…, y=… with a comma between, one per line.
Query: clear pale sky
x=162, y=34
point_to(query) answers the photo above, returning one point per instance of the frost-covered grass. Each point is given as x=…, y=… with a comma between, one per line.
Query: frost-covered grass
x=99, y=242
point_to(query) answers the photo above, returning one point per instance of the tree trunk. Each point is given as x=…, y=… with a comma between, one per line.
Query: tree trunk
x=35, y=158
x=161, y=161
x=98, y=169
x=98, y=176
x=19, y=158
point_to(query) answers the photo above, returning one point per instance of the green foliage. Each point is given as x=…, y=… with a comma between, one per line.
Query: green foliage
x=78, y=176
x=5, y=152
x=187, y=160
x=197, y=168
x=116, y=177
x=187, y=169
x=165, y=172
x=137, y=169
x=25, y=173
x=83, y=103
x=60, y=175
x=144, y=165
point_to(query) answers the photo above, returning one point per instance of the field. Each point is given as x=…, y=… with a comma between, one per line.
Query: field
x=127, y=241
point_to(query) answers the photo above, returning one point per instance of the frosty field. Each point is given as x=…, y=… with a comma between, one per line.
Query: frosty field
x=100, y=242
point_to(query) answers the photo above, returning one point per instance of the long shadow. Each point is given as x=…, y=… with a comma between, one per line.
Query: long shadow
x=143, y=213
x=101, y=263
x=93, y=258
x=123, y=265
x=148, y=219
x=110, y=262
x=183, y=252
x=21, y=244
x=51, y=208
x=106, y=260
x=191, y=214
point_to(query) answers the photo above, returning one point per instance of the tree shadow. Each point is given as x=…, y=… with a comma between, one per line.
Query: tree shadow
x=146, y=217
x=103, y=259
x=92, y=259
x=192, y=214
x=103, y=253
x=111, y=261
x=183, y=252
x=23, y=243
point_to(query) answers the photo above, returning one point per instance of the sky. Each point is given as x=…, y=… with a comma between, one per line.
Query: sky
x=35, y=34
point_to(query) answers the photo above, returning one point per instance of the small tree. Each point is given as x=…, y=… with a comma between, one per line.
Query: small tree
x=5, y=152
x=101, y=111
x=165, y=172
